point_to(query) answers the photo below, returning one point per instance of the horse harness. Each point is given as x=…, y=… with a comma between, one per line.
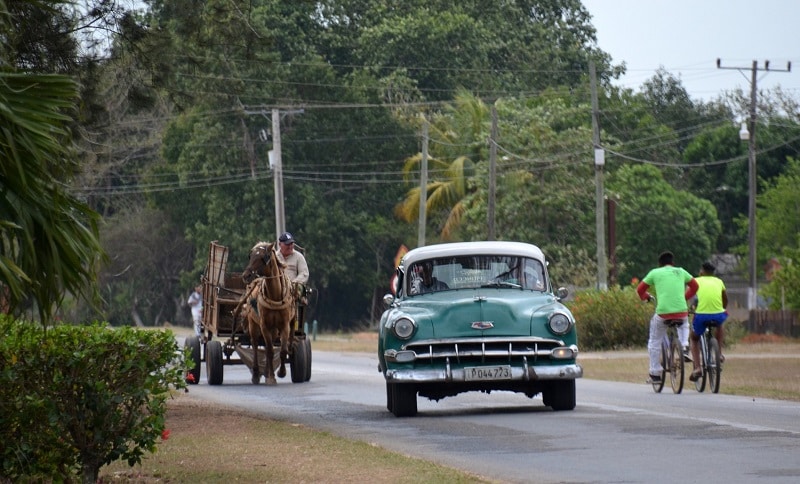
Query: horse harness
x=287, y=297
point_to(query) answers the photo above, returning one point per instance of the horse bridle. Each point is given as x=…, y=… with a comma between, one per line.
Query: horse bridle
x=266, y=257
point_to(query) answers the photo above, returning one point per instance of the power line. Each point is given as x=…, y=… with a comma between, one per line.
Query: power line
x=243, y=175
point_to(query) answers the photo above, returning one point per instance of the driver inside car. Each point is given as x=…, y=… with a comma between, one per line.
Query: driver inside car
x=424, y=281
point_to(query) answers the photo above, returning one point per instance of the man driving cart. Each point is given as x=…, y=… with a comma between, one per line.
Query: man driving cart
x=297, y=271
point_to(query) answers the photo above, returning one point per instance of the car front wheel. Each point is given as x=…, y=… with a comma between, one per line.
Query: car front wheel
x=404, y=400
x=560, y=395
x=390, y=396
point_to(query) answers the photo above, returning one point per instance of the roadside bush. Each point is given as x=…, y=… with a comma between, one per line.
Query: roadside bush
x=74, y=398
x=735, y=332
x=611, y=320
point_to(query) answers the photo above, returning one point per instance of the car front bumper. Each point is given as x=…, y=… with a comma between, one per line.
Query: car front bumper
x=448, y=374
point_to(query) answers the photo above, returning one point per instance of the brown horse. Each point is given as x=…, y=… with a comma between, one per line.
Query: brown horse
x=269, y=308
x=257, y=267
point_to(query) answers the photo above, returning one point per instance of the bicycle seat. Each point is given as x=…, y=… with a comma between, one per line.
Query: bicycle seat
x=673, y=322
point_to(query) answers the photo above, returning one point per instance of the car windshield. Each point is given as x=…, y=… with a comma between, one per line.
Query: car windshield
x=470, y=272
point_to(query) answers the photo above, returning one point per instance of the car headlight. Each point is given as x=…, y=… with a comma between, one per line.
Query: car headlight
x=403, y=328
x=559, y=323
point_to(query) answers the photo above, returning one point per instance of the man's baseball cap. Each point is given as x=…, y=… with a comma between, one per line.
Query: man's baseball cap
x=286, y=238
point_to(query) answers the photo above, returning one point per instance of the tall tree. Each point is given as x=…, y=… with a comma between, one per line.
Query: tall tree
x=48, y=238
x=718, y=172
x=719, y=161
x=332, y=157
x=653, y=217
x=778, y=237
x=511, y=48
x=670, y=105
x=779, y=213
x=545, y=185
x=457, y=142
x=225, y=64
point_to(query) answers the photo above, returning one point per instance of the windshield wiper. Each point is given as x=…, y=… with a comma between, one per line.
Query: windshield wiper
x=501, y=284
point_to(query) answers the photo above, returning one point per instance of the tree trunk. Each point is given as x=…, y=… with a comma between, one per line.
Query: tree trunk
x=90, y=473
x=137, y=320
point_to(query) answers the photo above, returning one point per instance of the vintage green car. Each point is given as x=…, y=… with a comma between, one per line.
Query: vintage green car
x=476, y=316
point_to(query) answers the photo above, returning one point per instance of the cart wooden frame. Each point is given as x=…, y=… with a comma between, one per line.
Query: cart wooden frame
x=223, y=338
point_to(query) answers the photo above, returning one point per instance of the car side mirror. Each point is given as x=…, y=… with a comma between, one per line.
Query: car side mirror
x=397, y=281
x=562, y=293
x=388, y=300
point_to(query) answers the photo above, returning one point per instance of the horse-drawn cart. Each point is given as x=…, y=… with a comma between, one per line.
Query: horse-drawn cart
x=224, y=336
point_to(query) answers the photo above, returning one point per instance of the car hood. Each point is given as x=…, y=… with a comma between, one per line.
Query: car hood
x=481, y=312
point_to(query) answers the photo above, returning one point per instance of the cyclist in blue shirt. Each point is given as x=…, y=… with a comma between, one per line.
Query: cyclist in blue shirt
x=712, y=303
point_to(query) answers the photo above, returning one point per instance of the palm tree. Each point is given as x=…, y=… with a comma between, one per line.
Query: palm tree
x=460, y=129
x=48, y=239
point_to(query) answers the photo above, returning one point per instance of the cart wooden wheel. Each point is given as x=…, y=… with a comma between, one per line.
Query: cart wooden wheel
x=307, y=343
x=299, y=359
x=214, y=362
x=193, y=343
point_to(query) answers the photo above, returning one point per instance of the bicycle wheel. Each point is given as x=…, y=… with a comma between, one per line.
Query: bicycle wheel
x=714, y=367
x=658, y=386
x=675, y=361
x=700, y=384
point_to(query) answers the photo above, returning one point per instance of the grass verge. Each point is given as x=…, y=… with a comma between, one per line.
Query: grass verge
x=232, y=446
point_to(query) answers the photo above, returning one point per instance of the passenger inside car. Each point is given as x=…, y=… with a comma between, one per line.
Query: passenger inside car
x=532, y=276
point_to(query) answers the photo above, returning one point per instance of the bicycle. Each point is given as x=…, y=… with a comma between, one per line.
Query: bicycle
x=710, y=360
x=671, y=358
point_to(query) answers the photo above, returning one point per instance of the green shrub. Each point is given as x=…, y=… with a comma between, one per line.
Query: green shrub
x=74, y=398
x=618, y=319
x=612, y=319
x=735, y=331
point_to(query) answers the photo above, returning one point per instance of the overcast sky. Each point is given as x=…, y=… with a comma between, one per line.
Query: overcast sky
x=687, y=36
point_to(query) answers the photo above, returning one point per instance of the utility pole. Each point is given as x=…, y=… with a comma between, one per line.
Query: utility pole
x=492, y=174
x=750, y=136
x=277, y=171
x=276, y=162
x=423, y=186
x=599, y=161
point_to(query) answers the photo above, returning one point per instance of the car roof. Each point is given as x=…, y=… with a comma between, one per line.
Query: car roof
x=472, y=248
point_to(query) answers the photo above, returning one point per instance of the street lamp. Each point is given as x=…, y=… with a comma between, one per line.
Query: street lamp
x=744, y=133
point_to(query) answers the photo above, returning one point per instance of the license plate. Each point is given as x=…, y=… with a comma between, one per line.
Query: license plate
x=478, y=373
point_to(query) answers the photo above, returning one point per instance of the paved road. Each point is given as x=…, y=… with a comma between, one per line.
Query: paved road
x=619, y=432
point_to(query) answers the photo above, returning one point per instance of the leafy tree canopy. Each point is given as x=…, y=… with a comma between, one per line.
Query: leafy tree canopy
x=778, y=237
x=177, y=132
x=653, y=217
x=778, y=213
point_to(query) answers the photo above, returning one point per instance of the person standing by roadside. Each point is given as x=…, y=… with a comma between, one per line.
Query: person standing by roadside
x=669, y=283
x=195, y=302
x=712, y=304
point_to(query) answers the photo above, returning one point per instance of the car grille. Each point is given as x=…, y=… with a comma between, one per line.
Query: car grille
x=464, y=350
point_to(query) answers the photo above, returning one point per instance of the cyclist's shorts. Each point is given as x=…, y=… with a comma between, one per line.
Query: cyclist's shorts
x=703, y=320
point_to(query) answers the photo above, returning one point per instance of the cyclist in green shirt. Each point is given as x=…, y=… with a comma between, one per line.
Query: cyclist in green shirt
x=712, y=303
x=669, y=284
